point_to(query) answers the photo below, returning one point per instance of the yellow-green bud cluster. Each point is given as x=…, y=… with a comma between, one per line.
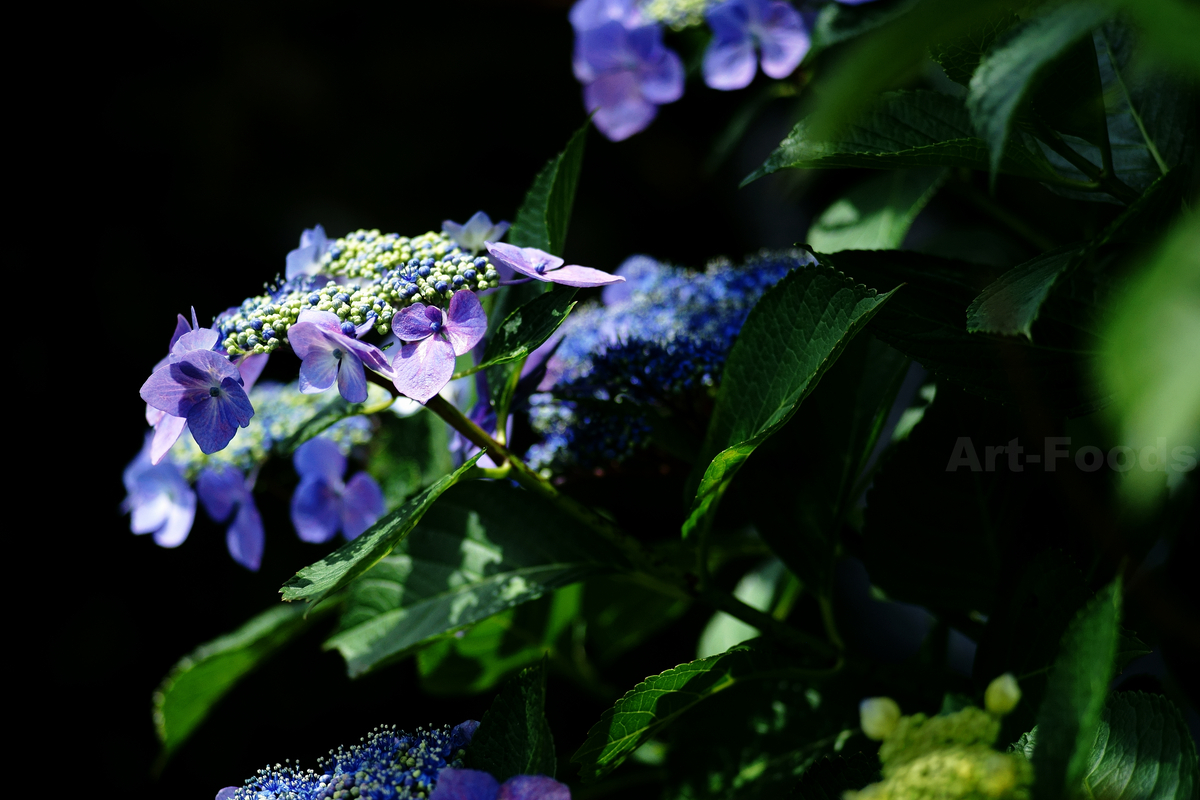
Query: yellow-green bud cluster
x=948, y=757
x=678, y=14
x=279, y=411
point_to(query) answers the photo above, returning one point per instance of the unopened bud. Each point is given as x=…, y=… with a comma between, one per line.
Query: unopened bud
x=878, y=717
x=1002, y=695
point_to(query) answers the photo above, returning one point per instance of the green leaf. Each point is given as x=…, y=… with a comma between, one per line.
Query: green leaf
x=479, y=657
x=201, y=679
x=486, y=547
x=655, y=703
x=791, y=337
x=1010, y=71
x=876, y=214
x=522, y=332
x=834, y=775
x=338, y=569
x=1075, y=695
x=543, y=217
x=514, y=737
x=1129, y=647
x=1013, y=303
x=960, y=58
x=1142, y=751
x=926, y=321
x=621, y=614
x=838, y=23
x=759, y=588
x=900, y=130
x=408, y=454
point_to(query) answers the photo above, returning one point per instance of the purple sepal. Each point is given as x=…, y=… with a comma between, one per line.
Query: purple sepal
x=462, y=734
x=416, y=322
x=204, y=388
x=181, y=327
x=465, y=784
x=159, y=500
x=328, y=355
x=221, y=489
x=421, y=369
x=477, y=230
x=533, y=787
x=319, y=458
x=362, y=505
x=245, y=538
x=776, y=28
x=315, y=510
x=305, y=259
x=251, y=367
x=322, y=505
x=167, y=431
x=199, y=339
x=226, y=793
x=542, y=266
x=466, y=321
x=432, y=338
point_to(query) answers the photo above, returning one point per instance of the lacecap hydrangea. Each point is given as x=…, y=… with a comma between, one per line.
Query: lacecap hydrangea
x=656, y=345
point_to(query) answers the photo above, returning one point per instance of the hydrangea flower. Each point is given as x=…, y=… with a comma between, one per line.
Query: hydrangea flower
x=331, y=352
x=322, y=504
x=541, y=266
x=306, y=259
x=389, y=764
x=476, y=232
x=202, y=387
x=159, y=499
x=432, y=338
x=474, y=784
x=738, y=27
x=626, y=70
x=226, y=493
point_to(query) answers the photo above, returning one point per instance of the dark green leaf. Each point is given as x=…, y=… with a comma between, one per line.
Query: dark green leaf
x=622, y=614
x=486, y=547
x=479, y=657
x=903, y=129
x=408, y=453
x=838, y=426
x=834, y=775
x=1010, y=71
x=1075, y=696
x=875, y=214
x=514, y=737
x=200, y=680
x=543, y=217
x=1142, y=751
x=837, y=23
x=652, y=705
x=927, y=322
x=794, y=334
x=522, y=332
x=342, y=566
x=1129, y=647
x=960, y=58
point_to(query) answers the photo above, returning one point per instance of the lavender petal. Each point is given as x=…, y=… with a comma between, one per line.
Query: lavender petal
x=575, y=275
x=466, y=321
x=362, y=505
x=422, y=368
x=221, y=489
x=316, y=510
x=245, y=538
x=412, y=324
x=465, y=784
x=320, y=458
x=351, y=379
x=533, y=787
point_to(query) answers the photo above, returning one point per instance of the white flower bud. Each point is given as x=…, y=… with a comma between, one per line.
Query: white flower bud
x=878, y=717
x=1002, y=695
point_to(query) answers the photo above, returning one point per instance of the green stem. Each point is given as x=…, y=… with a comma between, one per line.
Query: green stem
x=1003, y=216
x=786, y=634
x=1133, y=112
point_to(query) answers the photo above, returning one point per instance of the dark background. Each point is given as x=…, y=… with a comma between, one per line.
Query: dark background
x=192, y=144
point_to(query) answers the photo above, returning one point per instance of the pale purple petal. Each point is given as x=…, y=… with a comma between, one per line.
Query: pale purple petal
x=620, y=110
x=369, y=354
x=178, y=385
x=362, y=505
x=166, y=433
x=783, y=40
x=533, y=787
x=251, y=368
x=199, y=339
x=422, y=368
x=220, y=490
x=304, y=260
x=465, y=784
x=178, y=523
x=466, y=321
x=351, y=380
x=477, y=230
x=320, y=458
x=150, y=513
x=662, y=79
x=325, y=320
x=413, y=323
x=525, y=260
x=730, y=65
x=319, y=368
x=154, y=415
x=588, y=14
x=245, y=538
x=575, y=275
x=181, y=327
x=316, y=510
x=462, y=733
x=227, y=793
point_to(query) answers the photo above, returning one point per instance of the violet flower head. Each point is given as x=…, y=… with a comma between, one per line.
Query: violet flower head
x=158, y=499
x=738, y=27
x=322, y=505
x=432, y=338
x=473, y=784
x=226, y=494
x=626, y=70
x=203, y=388
x=331, y=352
x=476, y=232
x=542, y=266
x=306, y=259
x=168, y=428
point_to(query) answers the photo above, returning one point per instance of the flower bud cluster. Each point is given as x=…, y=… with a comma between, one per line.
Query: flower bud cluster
x=576, y=438
x=678, y=14
x=388, y=763
x=280, y=411
x=364, y=277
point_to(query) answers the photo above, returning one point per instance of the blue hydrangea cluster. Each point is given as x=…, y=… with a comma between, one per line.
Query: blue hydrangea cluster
x=388, y=764
x=281, y=410
x=363, y=277
x=657, y=345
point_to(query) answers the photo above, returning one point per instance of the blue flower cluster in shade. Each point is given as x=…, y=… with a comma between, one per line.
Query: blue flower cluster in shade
x=387, y=765
x=657, y=340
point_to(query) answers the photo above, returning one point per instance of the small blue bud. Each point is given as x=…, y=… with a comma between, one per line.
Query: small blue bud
x=257, y=324
x=457, y=281
x=441, y=286
x=424, y=271
x=348, y=328
x=480, y=262
x=470, y=274
x=342, y=297
x=314, y=299
x=429, y=262
x=268, y=334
